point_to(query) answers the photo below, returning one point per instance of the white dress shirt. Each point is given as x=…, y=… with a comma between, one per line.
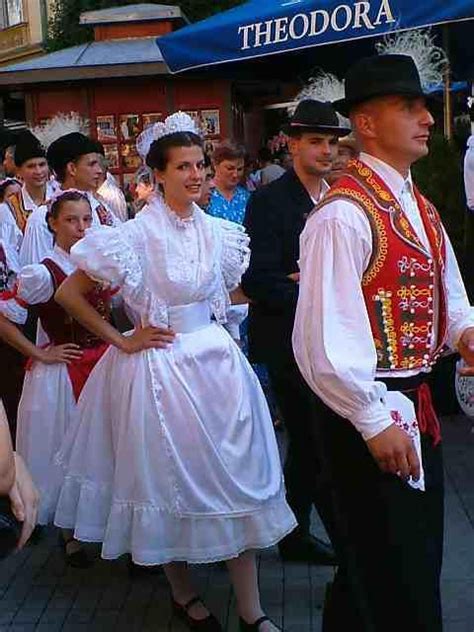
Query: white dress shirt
x=469, y=172
x=38, y=240
x=332, y=337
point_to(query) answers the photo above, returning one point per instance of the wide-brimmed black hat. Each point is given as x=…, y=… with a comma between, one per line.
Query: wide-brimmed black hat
x=27, y=146
x=315, y=116
x=68, y=148
x=379, y=76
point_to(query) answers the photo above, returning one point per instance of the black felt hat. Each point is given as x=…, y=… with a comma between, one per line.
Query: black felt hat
x=379, y=76
x=27, y=146
x=315, y=116
x=68, y=148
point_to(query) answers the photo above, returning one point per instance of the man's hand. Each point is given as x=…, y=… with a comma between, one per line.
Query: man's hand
x=148, y=338
x=24, y=500
x=466, y=349
x=295, y=276
x=395, y=453
x=57, y=354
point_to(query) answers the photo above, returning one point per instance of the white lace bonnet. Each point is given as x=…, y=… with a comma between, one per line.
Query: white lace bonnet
x=177, y=122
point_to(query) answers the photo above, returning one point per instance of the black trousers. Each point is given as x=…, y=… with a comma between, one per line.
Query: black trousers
x=389, y=536
x=11, y=384
x=304, y=479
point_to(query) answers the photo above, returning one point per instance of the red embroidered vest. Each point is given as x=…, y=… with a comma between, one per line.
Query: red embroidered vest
x=57, y=323
x=61, y=329
x=403, y=284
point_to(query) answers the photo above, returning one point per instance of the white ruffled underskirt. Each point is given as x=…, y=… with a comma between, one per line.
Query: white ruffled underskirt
x=47, y=410
x=153, y=536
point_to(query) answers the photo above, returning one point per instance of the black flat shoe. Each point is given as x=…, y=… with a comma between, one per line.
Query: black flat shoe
x=75, y=559
x=252, y=627
x=209, y=624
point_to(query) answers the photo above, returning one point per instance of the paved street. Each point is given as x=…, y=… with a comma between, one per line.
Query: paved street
x=39, y=593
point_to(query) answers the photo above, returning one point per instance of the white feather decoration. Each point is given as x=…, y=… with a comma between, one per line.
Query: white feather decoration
x=60, y=125
x=431, y=60
x=322, y=87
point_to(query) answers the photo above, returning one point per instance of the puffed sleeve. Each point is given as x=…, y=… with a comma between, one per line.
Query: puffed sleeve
x=33, y=285
x=235, y=252
x=105, y=255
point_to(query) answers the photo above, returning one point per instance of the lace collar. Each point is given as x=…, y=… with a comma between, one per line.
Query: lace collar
x=182, y=223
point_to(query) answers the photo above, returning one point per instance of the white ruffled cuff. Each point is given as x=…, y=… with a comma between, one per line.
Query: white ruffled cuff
x=235, y=256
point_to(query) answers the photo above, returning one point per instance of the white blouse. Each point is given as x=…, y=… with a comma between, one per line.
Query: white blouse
x=332, y=337
x=160, y=260
x=34, y=286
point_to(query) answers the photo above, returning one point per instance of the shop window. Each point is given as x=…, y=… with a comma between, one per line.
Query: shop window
x=11, y=13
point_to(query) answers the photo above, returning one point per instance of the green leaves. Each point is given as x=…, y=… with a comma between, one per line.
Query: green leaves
x=64, y=29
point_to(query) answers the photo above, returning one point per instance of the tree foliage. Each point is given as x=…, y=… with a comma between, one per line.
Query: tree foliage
x=65, y=30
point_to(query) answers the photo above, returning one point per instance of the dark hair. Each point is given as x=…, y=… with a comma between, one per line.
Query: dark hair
x=61, y=170
x=227, y=150
x=264, y=154
x=5, y=184
x=158, y=156
x=68, y=196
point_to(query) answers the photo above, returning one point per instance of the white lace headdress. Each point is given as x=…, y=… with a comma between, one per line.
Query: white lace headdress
x=177, y=122
x=430, y=60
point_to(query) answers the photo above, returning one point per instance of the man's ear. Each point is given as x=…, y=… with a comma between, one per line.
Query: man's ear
x=71, y=169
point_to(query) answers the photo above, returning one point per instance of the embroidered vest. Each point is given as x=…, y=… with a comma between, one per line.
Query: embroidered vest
x=403, y=284
x=17, y=207
x=57, y=323
x=104, y=215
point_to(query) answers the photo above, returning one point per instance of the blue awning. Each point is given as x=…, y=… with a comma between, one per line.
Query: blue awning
x=268, y=27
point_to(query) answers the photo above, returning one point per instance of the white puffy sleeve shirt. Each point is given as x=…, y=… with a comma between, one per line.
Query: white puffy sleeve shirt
x=332, y=337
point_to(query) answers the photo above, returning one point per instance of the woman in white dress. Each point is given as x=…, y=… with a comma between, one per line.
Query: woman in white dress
x=56, y=372
x=174, y=458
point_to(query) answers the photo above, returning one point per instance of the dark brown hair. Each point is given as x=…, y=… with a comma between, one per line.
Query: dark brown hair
x=56, y=205
x=227, y=150
x=158, y=156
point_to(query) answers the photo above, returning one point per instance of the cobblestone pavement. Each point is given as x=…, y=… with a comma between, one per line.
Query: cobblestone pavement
x=38, y=592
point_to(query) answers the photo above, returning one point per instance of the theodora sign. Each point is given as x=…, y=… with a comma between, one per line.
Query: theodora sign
x=359, y=15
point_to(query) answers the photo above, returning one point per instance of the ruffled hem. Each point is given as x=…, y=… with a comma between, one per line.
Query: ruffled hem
x=154, y=536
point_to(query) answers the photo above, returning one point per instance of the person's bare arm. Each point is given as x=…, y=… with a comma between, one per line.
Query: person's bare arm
x=51, y=355
x=238, y=297
x=466, y=349
x=72, y=296
x=7, y=461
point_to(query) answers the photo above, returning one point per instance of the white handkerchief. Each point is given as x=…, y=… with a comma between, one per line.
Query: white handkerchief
x=403, y=414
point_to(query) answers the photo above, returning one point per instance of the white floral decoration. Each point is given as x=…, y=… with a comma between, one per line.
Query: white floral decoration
x=177, y=122
x=324, y=86
x=60, y=125
x=431, y=60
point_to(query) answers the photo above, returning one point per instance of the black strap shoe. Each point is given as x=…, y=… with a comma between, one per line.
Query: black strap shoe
x=252, y=627
x=208, y=624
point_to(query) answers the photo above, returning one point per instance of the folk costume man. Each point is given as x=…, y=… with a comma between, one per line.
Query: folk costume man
x=74, y=158
x=22, y=216
x=380, y=297
x=275, y=217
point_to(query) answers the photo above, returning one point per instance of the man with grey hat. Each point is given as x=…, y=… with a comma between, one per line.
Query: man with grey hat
x=275, y=217
x=380, y=298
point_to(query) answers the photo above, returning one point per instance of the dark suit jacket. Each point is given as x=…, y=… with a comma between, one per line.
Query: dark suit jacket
x=274, y=219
